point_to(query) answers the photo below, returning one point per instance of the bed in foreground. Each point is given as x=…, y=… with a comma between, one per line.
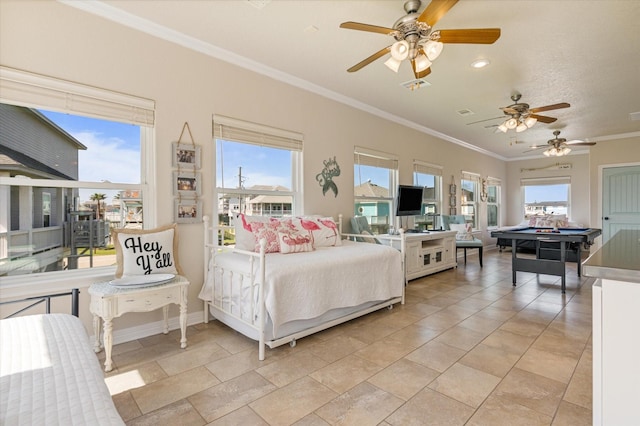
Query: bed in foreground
x=49, y=374
x=278, y=297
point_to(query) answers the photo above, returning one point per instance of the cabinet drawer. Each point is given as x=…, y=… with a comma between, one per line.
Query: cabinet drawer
x=148, y=301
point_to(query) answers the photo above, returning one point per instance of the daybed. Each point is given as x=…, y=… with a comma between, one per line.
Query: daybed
x=49, y=374
x=314, y=281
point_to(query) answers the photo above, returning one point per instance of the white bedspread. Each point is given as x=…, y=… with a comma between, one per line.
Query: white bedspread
x=49, y=375
x=306, y=285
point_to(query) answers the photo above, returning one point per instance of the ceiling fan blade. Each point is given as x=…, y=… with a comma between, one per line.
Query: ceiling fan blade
x=549, y=107
x=366, y=27
x=509, y=110
x=487, y=119
x=543, y=118
x=536, y=147
x=471, y=36
x=436, y=10
x=580, y=143
x=419, y=74
x=380, y=53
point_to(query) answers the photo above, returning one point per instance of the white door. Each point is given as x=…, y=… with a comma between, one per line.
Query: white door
x=620, y=200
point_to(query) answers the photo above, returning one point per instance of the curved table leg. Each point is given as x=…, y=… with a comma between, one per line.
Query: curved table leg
x=183, y=320
x=96, y=334
x=108, y=342
x=165, y=313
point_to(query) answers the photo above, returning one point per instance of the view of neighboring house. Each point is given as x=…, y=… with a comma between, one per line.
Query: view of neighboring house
x=47, y=228
x=32, y=221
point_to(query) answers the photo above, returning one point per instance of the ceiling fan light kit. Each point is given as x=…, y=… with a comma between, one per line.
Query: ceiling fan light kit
x=393, y=64
x=400, y=50
x=556, y=152
x=557, y=147
x=521, y=117
x=415, y=39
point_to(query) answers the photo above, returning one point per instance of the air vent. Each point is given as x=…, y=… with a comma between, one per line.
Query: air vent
x=415, y=84
x=259, y=4
x=465, y=112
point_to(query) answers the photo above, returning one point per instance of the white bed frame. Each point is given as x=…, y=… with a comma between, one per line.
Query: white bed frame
x=212, y=237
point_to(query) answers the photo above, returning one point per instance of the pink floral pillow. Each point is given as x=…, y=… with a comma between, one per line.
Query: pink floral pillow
x=323, y=230
x=294, y=242
x=268, y=231
x=545, y=223
x=245, y=240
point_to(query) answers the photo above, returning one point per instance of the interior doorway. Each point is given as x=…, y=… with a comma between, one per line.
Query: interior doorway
x=620, y=199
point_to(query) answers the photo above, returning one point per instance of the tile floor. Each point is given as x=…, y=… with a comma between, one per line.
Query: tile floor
x=467, y=348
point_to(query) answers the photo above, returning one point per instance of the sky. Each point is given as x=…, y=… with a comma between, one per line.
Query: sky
x=260, y=165
x=112, y=154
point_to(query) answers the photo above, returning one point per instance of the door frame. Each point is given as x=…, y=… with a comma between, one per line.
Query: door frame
x=598, y=243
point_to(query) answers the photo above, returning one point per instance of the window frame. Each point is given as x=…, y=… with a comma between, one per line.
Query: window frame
x=373, y=158
x=546, y=181
x=474, y=178
x=36, y=91
x=228, y=129
x=497, y=183
x=428, y=169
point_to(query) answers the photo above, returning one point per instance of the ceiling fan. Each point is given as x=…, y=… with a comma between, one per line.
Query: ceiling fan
x=521, y=117
x=557, y=147
x=415, y=38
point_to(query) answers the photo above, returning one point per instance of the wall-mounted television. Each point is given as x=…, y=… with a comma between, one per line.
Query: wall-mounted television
x=409, y=202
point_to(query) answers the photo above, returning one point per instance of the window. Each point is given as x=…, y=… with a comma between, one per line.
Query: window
x=544, y=196
x=428, y=176
x=71, y=154
x=469, y=197
x=257, y=170
x=375, y=181
x=493, y=202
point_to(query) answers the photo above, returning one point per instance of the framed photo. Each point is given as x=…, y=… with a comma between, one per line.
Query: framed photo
x=186, y=155
x=187, y=183
x=452, y=200
x=188, y=210
x=452, y=211
x=452, y=189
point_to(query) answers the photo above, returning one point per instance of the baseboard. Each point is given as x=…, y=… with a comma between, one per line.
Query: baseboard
x=152, y=328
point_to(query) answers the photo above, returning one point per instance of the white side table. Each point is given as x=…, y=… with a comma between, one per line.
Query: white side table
x=108, y=302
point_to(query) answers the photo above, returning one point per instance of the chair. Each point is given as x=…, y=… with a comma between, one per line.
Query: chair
x=462, y=244
x=360, y=225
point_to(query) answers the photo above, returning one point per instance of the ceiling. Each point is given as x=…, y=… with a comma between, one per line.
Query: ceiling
x=583, y=52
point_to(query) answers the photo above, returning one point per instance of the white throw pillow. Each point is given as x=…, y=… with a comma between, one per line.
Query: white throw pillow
x=144, y=252
x=323, y=230
x=245, y=239
x=294, y=242
x=463, y=231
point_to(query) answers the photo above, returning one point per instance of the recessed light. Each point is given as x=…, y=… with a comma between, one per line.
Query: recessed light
x=480, y=63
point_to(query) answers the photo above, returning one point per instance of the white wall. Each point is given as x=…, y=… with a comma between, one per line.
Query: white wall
x=56, y=40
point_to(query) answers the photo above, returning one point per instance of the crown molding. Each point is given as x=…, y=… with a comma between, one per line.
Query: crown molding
x=119, y=16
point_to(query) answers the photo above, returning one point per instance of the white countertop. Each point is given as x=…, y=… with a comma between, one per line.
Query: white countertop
x=618, y=259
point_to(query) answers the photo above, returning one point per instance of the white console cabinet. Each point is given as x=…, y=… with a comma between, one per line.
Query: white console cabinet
x=426, y=252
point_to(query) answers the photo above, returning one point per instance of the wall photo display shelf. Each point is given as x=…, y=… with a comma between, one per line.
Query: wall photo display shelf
x=187, y=180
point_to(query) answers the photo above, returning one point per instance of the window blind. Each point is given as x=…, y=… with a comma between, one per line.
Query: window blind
x=369, y=157
x=426, y=168
x=491, y=181
x=37, y=91
x=470, y=176
x=232, y=129
x=559, y=180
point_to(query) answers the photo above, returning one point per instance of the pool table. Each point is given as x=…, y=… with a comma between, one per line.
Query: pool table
x=544, y=263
